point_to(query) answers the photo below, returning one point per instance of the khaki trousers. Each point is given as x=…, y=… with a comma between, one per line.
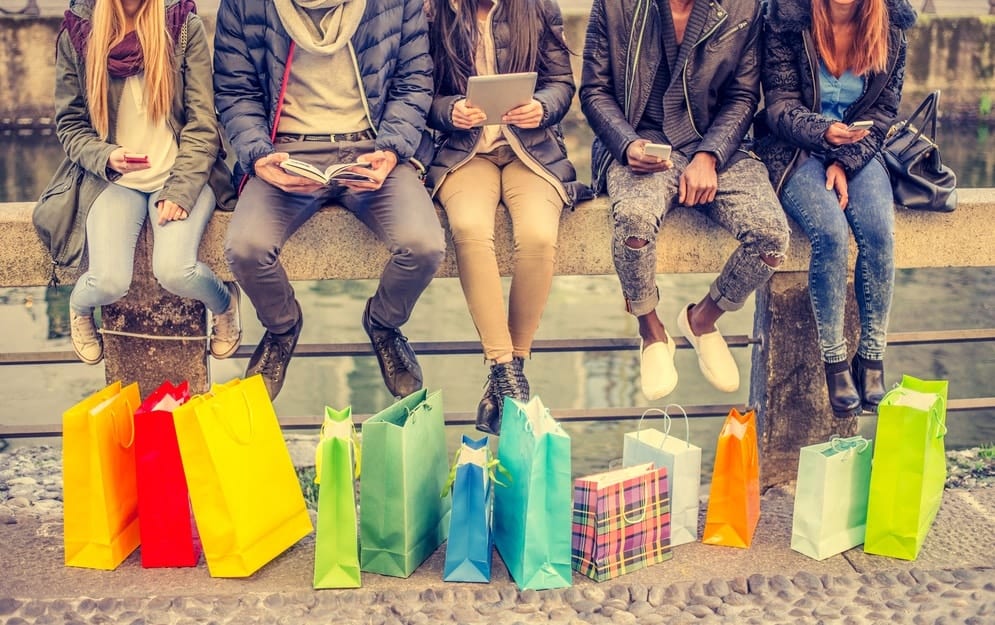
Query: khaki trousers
x=471, y=196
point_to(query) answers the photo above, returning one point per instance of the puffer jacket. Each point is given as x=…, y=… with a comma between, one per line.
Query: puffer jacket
x=792, y=125
x=718, y=80
x=554, y=90
x=199, y=158
x=390, y=51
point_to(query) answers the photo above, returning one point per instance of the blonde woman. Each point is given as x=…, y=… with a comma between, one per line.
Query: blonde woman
x=832, y=82
x=134, y=108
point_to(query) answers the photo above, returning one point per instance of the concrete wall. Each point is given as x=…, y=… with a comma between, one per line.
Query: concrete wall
x=956, y=55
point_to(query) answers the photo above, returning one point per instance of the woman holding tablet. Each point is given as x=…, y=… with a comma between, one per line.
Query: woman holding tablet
x=520, y=162
x=832, y=82
x=135, y=109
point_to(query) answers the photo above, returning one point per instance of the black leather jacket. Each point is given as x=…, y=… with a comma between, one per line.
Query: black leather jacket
x=719, y=78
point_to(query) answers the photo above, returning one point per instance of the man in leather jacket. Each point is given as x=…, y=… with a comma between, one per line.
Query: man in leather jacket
x=683, y=73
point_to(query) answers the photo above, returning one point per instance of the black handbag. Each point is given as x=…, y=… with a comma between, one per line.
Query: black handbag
x=919, y=179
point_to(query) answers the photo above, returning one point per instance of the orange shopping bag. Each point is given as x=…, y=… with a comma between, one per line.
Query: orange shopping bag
x=734, y=501
x=100, y=499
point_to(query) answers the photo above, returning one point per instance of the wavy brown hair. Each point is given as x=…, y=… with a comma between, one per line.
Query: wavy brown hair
x=868, y=51
x=454, y=38
x=107, y=31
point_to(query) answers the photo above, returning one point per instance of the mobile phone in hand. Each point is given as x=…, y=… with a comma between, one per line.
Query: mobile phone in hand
x=136, y=158
x=861, y=125
x=659, y=150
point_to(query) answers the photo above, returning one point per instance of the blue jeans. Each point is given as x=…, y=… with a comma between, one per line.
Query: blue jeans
x=870, y=214
x=112, y=228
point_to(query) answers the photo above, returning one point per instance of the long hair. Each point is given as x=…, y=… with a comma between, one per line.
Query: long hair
x=107, y=31
x=454, y=36
x=869, y=49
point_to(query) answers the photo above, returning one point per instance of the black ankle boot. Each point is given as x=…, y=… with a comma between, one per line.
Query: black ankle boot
x=868, y=376
x=843, y=396
x=506, y=379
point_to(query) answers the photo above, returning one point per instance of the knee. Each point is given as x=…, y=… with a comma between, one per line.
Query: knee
x=831, y=244
x=171, y=276
x=426, y=250
x=246, y=255
x=634, y=229
x=536, y=243
x=111, y=287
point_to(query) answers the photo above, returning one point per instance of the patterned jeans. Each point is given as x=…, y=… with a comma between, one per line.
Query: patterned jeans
x=745, y=205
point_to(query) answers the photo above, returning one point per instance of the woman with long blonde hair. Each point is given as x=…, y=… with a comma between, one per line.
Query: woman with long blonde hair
x=832, y=80
x=135, y=110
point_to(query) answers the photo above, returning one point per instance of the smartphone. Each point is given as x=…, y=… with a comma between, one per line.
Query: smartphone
x=863, y=125
x=136, y=158
x=659, y=150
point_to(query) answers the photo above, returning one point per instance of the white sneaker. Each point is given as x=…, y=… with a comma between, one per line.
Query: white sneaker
x=86, y=340
x=657, y=374
x=226, y=328
x=714, y=358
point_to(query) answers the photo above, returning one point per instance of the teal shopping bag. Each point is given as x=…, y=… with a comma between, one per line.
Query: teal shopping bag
x=909, y=468
x=402, y=518
x=533, y=512
x=830, y=513
x=336, y=543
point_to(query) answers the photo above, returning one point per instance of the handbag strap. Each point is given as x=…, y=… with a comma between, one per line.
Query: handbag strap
x=927, y=110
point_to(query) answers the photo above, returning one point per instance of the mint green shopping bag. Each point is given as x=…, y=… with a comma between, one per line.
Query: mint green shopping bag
x=402, y=518
x=336, y=543
x=830, y=513
x=909, y=468
x=533, y=511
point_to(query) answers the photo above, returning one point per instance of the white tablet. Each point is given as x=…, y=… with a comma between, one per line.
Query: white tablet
x=499, y=93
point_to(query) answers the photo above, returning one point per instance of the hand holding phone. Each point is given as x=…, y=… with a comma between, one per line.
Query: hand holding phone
x=659, y=150
x=861, y=125
x=136, y=158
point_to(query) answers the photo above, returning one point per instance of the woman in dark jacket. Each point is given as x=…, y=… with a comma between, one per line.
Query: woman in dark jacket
x=521, y=162
x=830, y=64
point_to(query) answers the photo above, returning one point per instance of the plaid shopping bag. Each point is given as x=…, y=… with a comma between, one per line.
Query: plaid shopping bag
x=621, y=521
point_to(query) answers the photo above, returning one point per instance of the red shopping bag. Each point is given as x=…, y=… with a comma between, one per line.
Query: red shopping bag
x=164, y=517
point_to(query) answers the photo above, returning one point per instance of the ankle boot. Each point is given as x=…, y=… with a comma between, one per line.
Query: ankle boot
x=505, y=380
x=843, y=396
x=868, y=375
x=518, y=366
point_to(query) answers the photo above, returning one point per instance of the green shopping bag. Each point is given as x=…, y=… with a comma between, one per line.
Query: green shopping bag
x=909, y=468
x=533, y=512
x=830, y=513
x=336, y=544
x=402, y=519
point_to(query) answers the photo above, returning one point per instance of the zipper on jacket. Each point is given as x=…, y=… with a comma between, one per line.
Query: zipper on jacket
x=362, y=91
x=732, y=31
x=816, y=106
x=634, y=65
x=684, y=72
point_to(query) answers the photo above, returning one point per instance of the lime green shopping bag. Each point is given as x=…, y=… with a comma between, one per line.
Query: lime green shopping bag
x=908, y=469
x=402, y=518
x=336, y=543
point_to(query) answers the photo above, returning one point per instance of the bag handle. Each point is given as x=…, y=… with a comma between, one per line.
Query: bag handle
x=131, y=421
x=858, y=443
x=667, y=423
x=228, y=426
x=927, y=109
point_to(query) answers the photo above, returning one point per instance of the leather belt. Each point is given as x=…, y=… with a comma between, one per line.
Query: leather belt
x=362, y=135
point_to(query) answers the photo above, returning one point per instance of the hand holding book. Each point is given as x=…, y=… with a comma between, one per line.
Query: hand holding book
x=339, y=172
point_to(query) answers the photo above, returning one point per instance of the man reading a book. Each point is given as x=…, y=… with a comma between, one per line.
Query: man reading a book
x=326, y=82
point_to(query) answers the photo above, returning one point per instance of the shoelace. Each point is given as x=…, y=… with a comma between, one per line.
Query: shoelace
x=223, y=325
x=85, y=329
x=391, y=349
x=273, y=357
x=505, y=383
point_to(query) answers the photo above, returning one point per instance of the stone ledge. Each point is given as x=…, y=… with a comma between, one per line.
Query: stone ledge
x=324, y=248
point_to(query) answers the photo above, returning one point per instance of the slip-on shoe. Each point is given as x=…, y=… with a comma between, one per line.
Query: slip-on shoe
x=657, y=374
x=714, y=358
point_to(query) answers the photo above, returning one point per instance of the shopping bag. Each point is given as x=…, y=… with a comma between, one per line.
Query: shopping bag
x=402, y=519
x=830, y=512
x=621, y=521
x=734, y=499
x=246, y=498
x=99, y=496
x=336, y=539
x=164, y=515
x=909, y=468
x=532, y=513
x=683, y=463
x=470, y=545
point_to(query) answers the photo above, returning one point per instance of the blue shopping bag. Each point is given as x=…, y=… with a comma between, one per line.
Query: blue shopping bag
x=533, y=514
x=470, y=545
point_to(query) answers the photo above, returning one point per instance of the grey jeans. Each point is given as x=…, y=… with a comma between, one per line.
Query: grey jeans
x=400, y=213
x=745, y=205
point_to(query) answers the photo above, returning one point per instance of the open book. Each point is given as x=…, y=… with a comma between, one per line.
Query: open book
x=338, y=171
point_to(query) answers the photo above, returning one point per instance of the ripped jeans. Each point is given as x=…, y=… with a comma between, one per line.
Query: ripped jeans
x=745, y=205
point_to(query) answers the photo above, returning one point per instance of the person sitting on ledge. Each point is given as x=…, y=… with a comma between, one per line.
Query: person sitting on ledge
x=686, y=76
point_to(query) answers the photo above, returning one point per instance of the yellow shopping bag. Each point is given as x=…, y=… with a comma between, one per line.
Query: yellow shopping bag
x=245, y=495
x=100, y=499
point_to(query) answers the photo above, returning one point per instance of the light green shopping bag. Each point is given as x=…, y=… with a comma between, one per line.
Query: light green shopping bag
x=402, y=519
x=830, y=513
x=533, y=511
x=909, y=468
x=336, y=544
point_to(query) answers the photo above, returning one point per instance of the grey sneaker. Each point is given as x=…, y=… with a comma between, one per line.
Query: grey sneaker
x=226, y=328
x=86, y=340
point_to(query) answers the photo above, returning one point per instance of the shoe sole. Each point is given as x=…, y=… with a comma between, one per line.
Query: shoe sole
x=658, y=394
x=685, y=327
x=856, y=412
x=88, y=361
x=227, y=353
